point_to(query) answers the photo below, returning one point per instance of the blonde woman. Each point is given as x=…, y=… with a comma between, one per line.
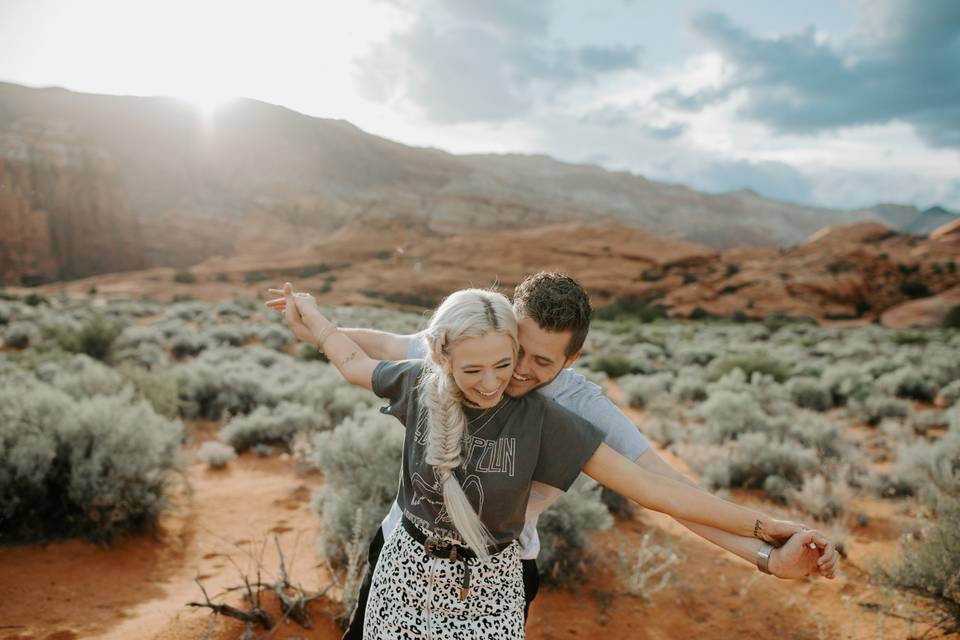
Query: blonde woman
x=470, y=454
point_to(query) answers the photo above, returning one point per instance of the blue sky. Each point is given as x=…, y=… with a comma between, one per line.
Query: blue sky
x=839, y=104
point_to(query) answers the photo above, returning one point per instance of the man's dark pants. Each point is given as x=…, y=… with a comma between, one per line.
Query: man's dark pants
x=531, y=584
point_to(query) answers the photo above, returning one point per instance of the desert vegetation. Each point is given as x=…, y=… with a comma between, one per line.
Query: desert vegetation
x=101, y=400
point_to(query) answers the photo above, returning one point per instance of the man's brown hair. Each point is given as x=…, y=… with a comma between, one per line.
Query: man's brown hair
x=557, y=303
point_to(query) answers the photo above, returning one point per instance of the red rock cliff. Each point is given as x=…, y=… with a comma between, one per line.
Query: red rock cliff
x=63, y=210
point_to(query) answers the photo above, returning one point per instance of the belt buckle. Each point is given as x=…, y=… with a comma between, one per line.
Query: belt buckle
x=433, y=543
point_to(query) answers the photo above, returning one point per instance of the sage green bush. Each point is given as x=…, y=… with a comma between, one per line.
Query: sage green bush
x=565, y=530
x=360, y=461
x=93, y=467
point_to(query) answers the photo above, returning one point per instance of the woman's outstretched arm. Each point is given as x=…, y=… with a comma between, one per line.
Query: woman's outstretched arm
x=680, y=500
x=350, y=360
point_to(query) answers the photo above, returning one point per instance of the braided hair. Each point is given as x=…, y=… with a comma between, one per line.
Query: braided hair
x=465, y=314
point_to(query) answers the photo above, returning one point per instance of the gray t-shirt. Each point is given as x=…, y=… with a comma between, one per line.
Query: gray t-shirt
x=506, y=452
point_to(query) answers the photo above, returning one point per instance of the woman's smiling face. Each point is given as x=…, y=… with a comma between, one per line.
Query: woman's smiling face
x=482, y=367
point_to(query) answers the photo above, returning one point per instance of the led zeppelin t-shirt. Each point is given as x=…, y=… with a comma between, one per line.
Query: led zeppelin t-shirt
x=518, y=441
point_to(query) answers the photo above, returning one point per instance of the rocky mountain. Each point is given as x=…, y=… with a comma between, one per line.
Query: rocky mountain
x=258, y=177
x=909, y=219
x=63, y=209
x=255, y=179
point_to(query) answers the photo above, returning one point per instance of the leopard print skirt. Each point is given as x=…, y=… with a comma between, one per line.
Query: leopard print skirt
x=415, y=596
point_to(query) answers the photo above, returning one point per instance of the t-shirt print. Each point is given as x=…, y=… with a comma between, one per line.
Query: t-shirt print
x=504, y=452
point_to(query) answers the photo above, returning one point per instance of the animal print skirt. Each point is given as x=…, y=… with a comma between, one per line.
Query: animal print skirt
x=416, y=596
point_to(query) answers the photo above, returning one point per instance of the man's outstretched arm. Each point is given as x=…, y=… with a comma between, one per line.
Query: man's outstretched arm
x=572, y=391
x=381, y=345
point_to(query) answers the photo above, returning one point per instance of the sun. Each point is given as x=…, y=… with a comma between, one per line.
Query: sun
x=205, y=101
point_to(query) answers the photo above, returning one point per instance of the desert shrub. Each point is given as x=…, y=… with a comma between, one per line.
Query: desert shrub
x=252, y=277
x=914, y=289
x=270, y=425
x=19, y=335
x=95, y=337
x=948, y=395
x=876, y=407
x=81, y=376
x=930, y=567
x=216, y=455
x=728, y=414
x=184, y=277
x=565, y=529
x=639, y=309
x=755, y=458
x=639, y=390
x=695, y=355
x=952, y=319
x=94, y=467
x=359, y=459
x=909, y=382
x=187, y=343
x=275, y=337
x=932, y=468
x=923, y=421
x=134, y=336
x=820, y=434
x=810, y=393
x=186, y=310
x=847, y=381
x=159, y=387
x=749, y=363
x=910, y=336
x=310, y=353
x=823, y=499
x=312, y=270
x=147, y=356
x=613, y=364
x=688, y=388
x=224, y=335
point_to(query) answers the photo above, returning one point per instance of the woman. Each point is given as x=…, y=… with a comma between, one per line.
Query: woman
x=470, y=454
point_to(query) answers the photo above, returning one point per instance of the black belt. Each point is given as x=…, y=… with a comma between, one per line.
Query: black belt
x=439, y=548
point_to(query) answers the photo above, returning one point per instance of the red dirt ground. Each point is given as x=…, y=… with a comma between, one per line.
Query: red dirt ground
x=138, y=587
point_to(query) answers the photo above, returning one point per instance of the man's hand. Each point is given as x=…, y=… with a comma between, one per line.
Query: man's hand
x=806, y=553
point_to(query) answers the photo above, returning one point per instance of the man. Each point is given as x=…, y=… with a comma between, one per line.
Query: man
x=553, y=313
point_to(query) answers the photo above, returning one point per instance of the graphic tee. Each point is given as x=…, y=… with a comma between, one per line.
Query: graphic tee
x=508, y=447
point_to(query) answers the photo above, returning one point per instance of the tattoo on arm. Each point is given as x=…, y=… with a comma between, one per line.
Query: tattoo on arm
x=759, y=532
x=353, y=355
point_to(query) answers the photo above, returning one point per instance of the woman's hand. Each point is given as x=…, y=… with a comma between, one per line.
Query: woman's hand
x=292, y=315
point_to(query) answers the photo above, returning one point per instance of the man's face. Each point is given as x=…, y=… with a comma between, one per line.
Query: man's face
x=542, y=356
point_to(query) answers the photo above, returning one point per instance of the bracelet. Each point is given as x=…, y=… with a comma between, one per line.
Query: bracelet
x=327, y=331
x=763, y=557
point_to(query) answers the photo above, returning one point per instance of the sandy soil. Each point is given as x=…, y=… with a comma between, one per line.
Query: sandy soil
x=138, y=587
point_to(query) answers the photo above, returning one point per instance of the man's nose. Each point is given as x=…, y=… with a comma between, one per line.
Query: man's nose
x=521, y=369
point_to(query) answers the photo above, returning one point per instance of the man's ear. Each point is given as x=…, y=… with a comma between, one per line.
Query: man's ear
x=571, y=359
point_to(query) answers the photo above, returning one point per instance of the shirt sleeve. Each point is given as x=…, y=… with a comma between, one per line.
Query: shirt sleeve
x=395, y=380
x=418, y=347
x=577, y=394
x=566, y=443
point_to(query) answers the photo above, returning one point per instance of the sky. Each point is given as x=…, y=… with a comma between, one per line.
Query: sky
x=835, y=103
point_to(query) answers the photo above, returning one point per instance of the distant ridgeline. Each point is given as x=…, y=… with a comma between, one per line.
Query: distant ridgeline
x=92, y=184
